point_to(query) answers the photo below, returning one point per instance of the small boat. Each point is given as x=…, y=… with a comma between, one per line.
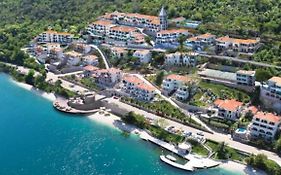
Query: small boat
x=171, y=158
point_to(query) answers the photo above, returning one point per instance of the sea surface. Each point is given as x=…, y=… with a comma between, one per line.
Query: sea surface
x=35, y=139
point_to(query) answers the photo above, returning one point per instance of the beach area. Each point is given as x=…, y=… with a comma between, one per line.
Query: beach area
x=115, y=122
x=113, y=119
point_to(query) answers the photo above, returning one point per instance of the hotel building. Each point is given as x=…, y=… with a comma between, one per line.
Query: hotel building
x=264, y=125
x=237, y=45
x=138, y=89
x=176, y=84
x=228, y=109
x=246, y=78
x=170, y=36
x=181, y=59
x=51, y=36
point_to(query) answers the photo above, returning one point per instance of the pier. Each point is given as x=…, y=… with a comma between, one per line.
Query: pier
x=194, y=162
x=61, y=105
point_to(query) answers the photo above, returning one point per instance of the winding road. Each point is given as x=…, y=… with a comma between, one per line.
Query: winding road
x=102, y=55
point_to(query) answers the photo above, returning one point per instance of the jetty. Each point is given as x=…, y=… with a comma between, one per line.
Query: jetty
x=194, y=162
x=62, y=105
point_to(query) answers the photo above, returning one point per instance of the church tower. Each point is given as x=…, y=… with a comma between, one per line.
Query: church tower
x=163, y=19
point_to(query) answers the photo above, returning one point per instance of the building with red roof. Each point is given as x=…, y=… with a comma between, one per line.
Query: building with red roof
x=228, y=109
x=264, y=125
x=51, y=36
x=138, y=89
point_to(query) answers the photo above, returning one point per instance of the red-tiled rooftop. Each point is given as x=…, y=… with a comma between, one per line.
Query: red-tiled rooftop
x=90, y=68
x=178, y=77
x=253, y=109
x=230, y=105
x=146, y=87
x=123, y=28
x=103, y=23
x=173, y=31
x=132, y=79
x=268, y=117
x=277, y=80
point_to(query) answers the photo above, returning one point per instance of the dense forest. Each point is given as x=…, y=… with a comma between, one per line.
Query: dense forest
x=20, y=20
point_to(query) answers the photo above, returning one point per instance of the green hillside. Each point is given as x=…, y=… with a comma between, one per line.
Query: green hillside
x=20, y=20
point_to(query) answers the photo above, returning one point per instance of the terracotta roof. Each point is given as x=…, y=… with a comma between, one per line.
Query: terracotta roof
x=146, y=87
x=178, y=77
x=253, y=109
x=230, y=105
x=277, y=80
x=171, y=31
x=205, y=36
x=103, y=22
x=91, y=57
x=268, y=117
x=132, y=79
x=246, y=72
x=73, y=53
x=90, y=68
x=123, y=28
x=118, y=49
x=235, y=40
x=110, y=70
x=144, y=52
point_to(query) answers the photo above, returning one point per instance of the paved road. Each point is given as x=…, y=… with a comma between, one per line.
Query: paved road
x=216, y=136
x=240, y=60
x=102, y=55
x=173, y=103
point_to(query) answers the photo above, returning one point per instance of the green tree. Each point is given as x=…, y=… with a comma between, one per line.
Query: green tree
x=262, y=75
x=159, y=78
x=29, y=78
x=277, y=146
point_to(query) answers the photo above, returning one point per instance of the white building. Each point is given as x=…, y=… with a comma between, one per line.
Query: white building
x=138, y=89
x=228, y=109
x=237, y=45
x=51, y=36
x=264, y=125
x=122, y=33
x=270, y=93
x=181, y=59
x=149, y=23
x=108, y=77
x=73, y=58
x=82, y=48
x=246, y=78
x=91, y=60
x=178, y=84
x=100, y=27
x=170, y=36
x=89, y=70
x=119, y=52
x=203, y=40
x=143, y=55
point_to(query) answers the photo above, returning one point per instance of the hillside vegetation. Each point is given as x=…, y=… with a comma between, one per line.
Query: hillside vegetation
x=20, y=20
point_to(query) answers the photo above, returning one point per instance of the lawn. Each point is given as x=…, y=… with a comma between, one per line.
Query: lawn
x=165, y=135
x=198, y=148
x=224, y=92
x=233, y=153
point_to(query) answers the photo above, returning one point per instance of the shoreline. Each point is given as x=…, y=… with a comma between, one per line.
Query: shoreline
x=49, y=96
x=227, y=165
x=115, y=122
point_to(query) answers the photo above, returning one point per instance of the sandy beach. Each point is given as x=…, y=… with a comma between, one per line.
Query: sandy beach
x=241, y=168
x=113, y=121
x=48, y=96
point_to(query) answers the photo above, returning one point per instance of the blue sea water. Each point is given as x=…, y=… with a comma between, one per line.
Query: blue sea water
x=35, y=140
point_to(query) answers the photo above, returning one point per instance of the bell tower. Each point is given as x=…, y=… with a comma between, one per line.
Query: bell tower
x=163, y=19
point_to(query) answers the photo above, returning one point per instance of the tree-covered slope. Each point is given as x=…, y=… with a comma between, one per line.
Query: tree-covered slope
x=20, y=20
